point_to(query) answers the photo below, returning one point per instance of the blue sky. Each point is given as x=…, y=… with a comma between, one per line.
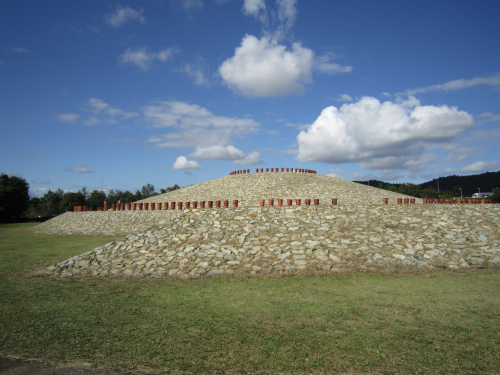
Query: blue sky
x=123, y=93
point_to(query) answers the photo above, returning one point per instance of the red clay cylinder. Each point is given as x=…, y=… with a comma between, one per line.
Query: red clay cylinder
x=282, y=169
x=267, y=169
x=128, y=206
x=202, y=204
x=256, y=170
x=179, y=205
x=297, y=202
x=412, y=200
x=140, y=206
x=146, y=206
x=210, y=204
x=334, y=201
x=308, y=202
x=272, y=169
x=165, y=205
x=289, y=202
x=217, y=204
x=188, y=205
x=287, y=169
x=226, y=204
x=262, y=202
x=195, y=204
x=400, y=201
x=385, y=200
x=280, y=202
x=113, y=207
x=152, y=206
x=134, y=206
x=316, y=202
x=271, y=202
x=235, y=203
x=158, y=206
x=407, y=200
x=261, y=170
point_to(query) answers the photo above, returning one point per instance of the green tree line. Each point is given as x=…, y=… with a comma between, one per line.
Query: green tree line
x=15, y=202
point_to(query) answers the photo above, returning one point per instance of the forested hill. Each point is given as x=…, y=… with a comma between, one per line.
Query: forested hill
x=469, y=184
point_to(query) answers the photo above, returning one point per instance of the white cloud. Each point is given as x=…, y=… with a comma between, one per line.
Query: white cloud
x=82, y=169
x=459, y=84
x=143, y=58
x=363, y=176
x=40, y=182
x=286, y=13
x=38, y=192
x=123, y=15
x=457, y=153
x=195, y=126
x=323, y=64
x=96, y=105
x=19, y=50
x=218, y=153
x=262, y=67
x=253, y=158
x=254, y=7
x=67, y=117
x=91, y=121
x=183, y=163
x=369, y=130
x=344, y=98
x=196, y=71
x=481, y=166
x=489, y=117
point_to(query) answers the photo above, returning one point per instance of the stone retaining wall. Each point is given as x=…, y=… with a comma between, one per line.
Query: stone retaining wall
x=277, y=241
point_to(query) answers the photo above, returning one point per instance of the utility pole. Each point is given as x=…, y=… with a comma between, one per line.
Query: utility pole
x=461, y=195
x=479, y=196
x=102, y=184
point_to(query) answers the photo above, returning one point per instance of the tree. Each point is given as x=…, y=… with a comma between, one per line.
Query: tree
x=14, y=197
x=429, y=192
x=496, y=195
x=409, y=189
x=456, y=191
x=49, y=203
x=169, y=189
x=148, y=191
x=70, y=200
x=96, y=199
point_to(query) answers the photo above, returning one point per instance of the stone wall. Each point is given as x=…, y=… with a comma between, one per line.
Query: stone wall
x=276, y=241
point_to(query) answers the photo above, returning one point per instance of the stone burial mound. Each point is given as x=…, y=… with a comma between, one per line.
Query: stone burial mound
x=275, y=241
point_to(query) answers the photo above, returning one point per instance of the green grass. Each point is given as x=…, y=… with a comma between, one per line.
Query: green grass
x=441, y=323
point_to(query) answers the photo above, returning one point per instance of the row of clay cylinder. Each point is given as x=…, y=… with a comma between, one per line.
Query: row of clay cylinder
x=289, y=202
x=152, y=206
x=296, y=170
x=458, y=201
x=400, y=200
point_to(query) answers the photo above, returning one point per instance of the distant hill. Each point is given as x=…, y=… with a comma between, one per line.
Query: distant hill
x=469, y=184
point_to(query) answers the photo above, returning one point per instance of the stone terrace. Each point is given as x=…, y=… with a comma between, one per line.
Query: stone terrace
x=278, y=241
x=249, y=188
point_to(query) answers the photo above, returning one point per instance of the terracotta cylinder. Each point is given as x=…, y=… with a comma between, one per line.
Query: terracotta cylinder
x=262, y=202
x=172, y=205
x=165, y=205
x=385, y=200
x=188, y=205
x=113, y=207
x=277, y=169
x=289, y=202
x=412, y=200
x=272, y=169
x=117, y=207
x=158, y=206
x=106, y=208
x=296, y=169
x=261, y=170
x=308, y=202
x=202, y=204
x=75, y=208
x=248, y=170
x=226, y=204
x=287, y=169
x=146, y=206
x=134, y=206
x=400, y=201
x=140, y=206
x=179, y=205
x=334, y=201
x=152, y=206
x=99, y=209
x=483, y=201
x=282, y=169
x=217, y=204
x=256, y=170
x=195, y=204
x=424, y=200
x=244, y=171
x=280, y=202
x=105, y=203
x=316, y=202
x=297, y=202
x=407, y=200
x=235, y=203
x=267, y=169
x=129, y=206
x=271, y=202
x=210, y=204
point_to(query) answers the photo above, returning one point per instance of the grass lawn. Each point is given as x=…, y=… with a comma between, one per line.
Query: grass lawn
x=447, y=323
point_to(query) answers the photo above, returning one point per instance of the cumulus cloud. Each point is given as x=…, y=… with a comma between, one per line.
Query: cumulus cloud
x=40, y=182
x=262, y=67
x=123, y=15
x=459, y=84
x=67, y=117
x=481, y=166
x=143, y=58
x=81, y=169
x=457, y=153
x=197, y=71
x=256, y=8
x=344, y=98
x=369, y=130
x=253, y=158
x=337, y=173
x=96, y=105
x=489, y=117
x=194, y=126
x=38, y=192
x=218, y=153
x=183, y=163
